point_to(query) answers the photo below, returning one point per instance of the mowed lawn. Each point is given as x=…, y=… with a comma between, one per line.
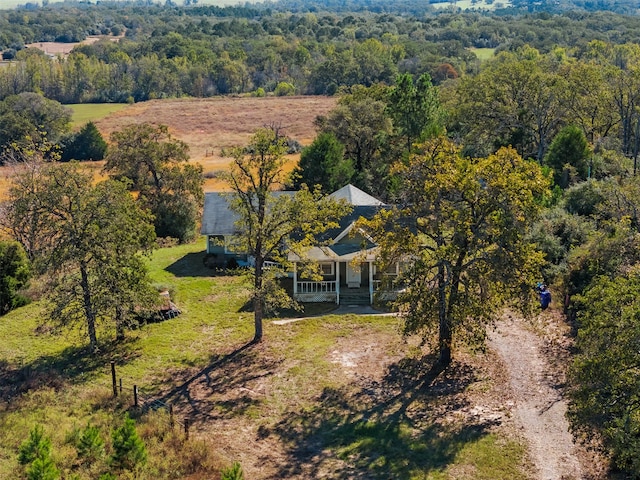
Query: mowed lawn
x=336, y=396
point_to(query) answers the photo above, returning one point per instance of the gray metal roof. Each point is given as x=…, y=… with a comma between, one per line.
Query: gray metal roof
x=356, y=197
x=217, y=216
x=219, y=219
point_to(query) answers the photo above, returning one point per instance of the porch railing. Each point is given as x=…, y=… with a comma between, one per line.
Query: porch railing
x=316, y=287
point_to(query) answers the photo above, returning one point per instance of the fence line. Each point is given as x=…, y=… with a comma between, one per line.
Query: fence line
x=144, y=403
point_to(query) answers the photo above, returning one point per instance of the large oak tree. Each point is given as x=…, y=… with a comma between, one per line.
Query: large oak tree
x=87, y=238
x=464, y=238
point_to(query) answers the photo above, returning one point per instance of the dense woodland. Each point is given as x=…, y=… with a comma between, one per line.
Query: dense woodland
x=559, y=100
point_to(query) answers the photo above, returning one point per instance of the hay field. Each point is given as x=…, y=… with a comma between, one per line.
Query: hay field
x=208, y=125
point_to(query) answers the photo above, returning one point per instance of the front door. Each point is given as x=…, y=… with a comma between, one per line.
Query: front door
x=354, y=275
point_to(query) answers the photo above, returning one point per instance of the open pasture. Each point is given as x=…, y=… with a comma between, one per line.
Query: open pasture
x=209, y=125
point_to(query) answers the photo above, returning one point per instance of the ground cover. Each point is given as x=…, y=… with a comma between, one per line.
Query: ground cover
x=337, y=396
x=210, y=125
x=484, y=54
x=90, y=112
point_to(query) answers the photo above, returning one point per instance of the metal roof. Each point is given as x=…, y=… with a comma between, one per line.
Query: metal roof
x=356, y=197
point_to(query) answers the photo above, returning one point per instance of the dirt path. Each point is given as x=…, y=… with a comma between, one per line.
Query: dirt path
x=536, y=398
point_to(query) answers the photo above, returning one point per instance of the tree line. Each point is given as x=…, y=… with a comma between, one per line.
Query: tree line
x=198, y=51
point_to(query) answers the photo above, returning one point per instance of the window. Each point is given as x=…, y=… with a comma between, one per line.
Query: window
x=326, y=268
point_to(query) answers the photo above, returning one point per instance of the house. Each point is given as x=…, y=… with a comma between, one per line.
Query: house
x=347, y=257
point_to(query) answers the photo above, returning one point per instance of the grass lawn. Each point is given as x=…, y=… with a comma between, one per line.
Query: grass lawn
x=90, y=112
x=327, y=397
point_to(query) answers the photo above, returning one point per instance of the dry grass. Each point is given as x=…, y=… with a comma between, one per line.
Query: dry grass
x=208, y=125
x=211, y=124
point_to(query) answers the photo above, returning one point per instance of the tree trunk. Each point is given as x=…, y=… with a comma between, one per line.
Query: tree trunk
x=444, y=331
x=88, y=308
x=258, y=300
x=120, y=318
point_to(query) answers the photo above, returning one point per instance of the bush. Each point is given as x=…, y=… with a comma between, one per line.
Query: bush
x=284, y=89
x=234, y=472
x=36, y=446
x=15, y=272
x=90, y=445
x=128, y=450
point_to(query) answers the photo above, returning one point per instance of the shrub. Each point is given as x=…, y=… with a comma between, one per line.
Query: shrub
x=284, y=89
x=14, y=275
x=90, y=445
x=128, y=449
x=43, y=469
x=36, y=446
x=234, y=472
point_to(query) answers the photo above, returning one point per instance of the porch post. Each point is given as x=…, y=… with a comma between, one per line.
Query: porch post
x=371, y=282
x=295, y=279
x=337, y=270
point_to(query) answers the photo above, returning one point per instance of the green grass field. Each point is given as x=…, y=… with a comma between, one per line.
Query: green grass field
x=291, y=407
x=90, y=112
x=483, y=53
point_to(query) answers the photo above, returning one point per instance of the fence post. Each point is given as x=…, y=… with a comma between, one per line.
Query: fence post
x=120, y=385
x=171, y=420
x=113, y=378
x=135, y=396
x=186, y=429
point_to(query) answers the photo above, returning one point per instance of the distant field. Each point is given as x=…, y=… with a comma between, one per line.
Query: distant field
x=208, y=125
x=483, y=53
x=91, y=112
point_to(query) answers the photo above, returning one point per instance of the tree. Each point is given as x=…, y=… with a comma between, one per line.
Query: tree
x=154, y=162
x=87, y=237
x=414, y=108
x=128, y=448
x=323, y=163
x=466, y=246
x=87, y=144
x=35, y=452
x=15, y=271
x=31, y=116
x=568, y=155
x=360, y=122
x=604, y=406
x=267, y=220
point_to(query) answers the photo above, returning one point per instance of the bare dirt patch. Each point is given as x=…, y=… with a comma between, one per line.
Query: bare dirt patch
x=209, y=125
x=60, y=48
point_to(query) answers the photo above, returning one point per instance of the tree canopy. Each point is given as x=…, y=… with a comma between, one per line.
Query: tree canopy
x=88, y=238
x=267, y=219
x=156, y=165
x=466, y=250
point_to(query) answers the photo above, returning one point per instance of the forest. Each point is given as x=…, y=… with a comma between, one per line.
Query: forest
x=550, y=88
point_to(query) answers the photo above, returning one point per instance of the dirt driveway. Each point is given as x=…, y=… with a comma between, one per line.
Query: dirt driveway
x=535, y=363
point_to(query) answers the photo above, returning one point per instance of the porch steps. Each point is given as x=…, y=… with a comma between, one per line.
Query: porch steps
x=354, y=297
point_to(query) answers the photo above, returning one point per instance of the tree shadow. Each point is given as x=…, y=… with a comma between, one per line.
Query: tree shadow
x=393, y=428
x=192, y=265
x=73, y=365
x=221, y=390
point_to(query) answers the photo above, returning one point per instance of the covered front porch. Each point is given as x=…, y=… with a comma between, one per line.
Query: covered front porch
x=344, y=283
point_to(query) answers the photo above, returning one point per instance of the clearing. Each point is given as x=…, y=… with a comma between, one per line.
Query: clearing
x=208, y=125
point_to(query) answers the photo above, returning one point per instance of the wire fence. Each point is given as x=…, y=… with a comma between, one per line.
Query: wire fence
x=144, y=403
